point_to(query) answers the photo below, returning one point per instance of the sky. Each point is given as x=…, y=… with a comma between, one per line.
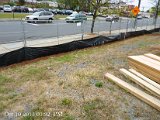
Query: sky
x=145, y=4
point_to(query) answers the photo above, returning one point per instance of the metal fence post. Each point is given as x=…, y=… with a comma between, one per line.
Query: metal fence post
x=120, y=25
x=135, y=24
x=24, y=35
x=159, y=23
x=82, y=28
x=98, y=27
x=142, y=23
x=127, y=25
x=146, y=24
x=110, y=29
x=57, y=32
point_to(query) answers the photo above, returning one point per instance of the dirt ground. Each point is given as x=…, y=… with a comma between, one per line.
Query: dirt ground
x=72, y=86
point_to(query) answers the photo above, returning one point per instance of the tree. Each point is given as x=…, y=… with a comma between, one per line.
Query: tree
x=155, y=9
x=21, y=2
x=87, y=5
x=73, y=4
x=96, y=5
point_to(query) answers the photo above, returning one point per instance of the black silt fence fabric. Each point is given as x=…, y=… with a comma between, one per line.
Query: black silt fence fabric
x=30, y=53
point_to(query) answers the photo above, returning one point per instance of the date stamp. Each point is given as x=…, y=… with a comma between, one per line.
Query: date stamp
x=42, y=114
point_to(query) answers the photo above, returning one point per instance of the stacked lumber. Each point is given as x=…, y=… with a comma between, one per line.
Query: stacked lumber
x=154, y=102
x=148, y=66
x=145, y=71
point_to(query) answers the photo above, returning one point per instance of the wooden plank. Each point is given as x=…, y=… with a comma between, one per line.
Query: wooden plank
x=144, y=71
x=145, y=78
x=155, y=57
x=147, y=86
x=149, y=60
x=153, y=70
x=154, y=102
x=146, y=63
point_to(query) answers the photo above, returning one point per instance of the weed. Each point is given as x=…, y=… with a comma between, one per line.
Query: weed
x=4, y=79
x=65, y=58
x=66, y=102
x=68, y=117
x=35, y=74
x=99, y=84
x=28, y=118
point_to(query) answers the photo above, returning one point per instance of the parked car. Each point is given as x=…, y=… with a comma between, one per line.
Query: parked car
x=63, y=12
x=76, y=18
x=30, y=10
x=89, y=14
x=1, y=8
x=83, y=12
x=112, y=18
x=38, y=9
x=42, y=16
x=7, y=8
x=139, y=16
x=68, y=12
x=54, y=11
x=20, y=9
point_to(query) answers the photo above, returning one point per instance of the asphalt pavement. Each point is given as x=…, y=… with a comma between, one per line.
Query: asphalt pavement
x=12, y=31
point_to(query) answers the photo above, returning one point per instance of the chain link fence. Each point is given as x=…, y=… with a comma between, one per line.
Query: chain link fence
x=20, y=33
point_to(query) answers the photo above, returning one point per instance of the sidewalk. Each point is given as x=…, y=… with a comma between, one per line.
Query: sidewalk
x=4, y=48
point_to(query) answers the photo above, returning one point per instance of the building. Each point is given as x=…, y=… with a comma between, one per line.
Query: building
x=4, y=1
x=130, y=7
x=51, y=4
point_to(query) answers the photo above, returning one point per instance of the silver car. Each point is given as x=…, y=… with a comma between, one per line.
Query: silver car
x=7, y=8
x=76, y=17
x=40, y=16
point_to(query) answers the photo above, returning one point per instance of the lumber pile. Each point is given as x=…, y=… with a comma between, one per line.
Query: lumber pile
x=148, y=66
x=144, y=71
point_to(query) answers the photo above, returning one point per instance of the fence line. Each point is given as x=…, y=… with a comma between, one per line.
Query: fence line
x=48, y=30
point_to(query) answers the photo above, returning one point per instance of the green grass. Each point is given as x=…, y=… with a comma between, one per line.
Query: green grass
x=35, y=74
x=99, y=84
x=60, y=16
x=4, y=79
x=68, y=117
x=10, y=15
x=66, y=102
x=65, y=58
x=23, y=15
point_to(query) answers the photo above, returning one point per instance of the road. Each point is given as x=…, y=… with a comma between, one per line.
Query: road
x=12, y=31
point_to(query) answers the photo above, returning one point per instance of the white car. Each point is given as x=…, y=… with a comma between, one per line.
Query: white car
x=7, y=8
x=40, y=16
x=139, y=17
x=30, y=10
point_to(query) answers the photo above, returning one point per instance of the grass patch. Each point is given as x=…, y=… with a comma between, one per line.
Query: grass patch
x=91, y=108
x=10, y=15
x=65, y=58
x=99, y=84
x=66, y=102
x=4, y=89
x=33, y=73
x=4, y=79
x=28, y=118
x=60, y=16
x=68, y=117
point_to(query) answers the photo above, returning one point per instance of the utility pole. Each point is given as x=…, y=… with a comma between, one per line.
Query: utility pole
x=135, y=22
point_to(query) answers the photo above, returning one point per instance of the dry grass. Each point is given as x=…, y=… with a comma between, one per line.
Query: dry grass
x=68, y=83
